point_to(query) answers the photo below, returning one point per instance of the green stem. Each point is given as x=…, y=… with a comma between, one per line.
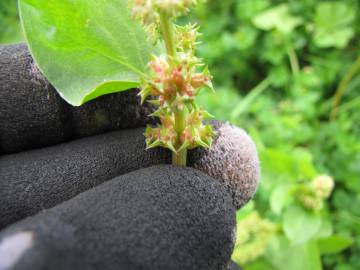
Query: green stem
x=168, y=35
x=245, y=103
x=167, y=30
x=180, y=124
x=294, y=61
x=354, y=69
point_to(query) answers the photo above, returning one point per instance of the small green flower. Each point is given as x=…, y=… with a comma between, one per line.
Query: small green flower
x=143, y=10
x=313, y=194
x=253, y=236
x=311, y=202
x=323, y=186
x=186, y=37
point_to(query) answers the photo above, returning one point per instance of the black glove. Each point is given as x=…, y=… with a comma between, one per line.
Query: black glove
x=161, y=217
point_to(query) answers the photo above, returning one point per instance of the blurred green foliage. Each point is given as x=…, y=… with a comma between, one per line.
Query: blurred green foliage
x=289, y=73
x=278, y=66
x=10, y=30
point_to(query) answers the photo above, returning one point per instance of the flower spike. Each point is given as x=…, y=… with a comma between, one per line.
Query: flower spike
x=174, y=79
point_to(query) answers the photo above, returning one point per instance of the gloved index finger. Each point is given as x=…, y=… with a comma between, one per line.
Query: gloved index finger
x=33, y=115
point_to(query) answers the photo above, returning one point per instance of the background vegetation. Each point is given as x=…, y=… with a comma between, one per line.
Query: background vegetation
x=278, y=67
x=289, y=73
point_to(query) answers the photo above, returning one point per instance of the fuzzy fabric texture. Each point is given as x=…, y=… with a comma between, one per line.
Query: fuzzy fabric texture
x=40, y=179
x=162, y=217
x=33, y=115
x=233, y=266
x=232, y=159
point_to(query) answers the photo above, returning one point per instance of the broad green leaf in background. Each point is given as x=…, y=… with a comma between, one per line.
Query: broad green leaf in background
x=245, y=211
x=326, y=229
x=245, y=37
x=285, y=256
x=85, y=48
x=295, y=164
x=246, y=9
x=259, y=265
x=333, y=24
x=300, y=225
x=280, y=197
x=278, y=18
x=279, y=163
x=334, y=244
x=304, y=161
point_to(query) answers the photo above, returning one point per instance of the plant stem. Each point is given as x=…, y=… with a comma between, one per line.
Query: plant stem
x=168, y=35
x=294, y=61
x=244, y=104
x=354, y=69
x=180, y=124
x=167, y=30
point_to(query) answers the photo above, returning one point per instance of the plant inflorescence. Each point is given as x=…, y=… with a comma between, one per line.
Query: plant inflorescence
x=313, y=194
x=174, y=79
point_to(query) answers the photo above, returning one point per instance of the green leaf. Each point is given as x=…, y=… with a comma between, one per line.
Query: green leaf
x=277, y=163
x=279, y=198
x=85, y=48
x=259, y=265
x=334, y=244
x=246, y=9
x=304, y=160
x=300, y=225
x=326, y=229
x=333, y=24
x=285, y=256
x=278, y=18
x=245, y=211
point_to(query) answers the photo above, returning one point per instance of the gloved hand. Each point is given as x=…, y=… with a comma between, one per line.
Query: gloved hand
x=104, y=202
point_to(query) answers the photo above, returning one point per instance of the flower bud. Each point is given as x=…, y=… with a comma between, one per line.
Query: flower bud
x=253, y=236
x=143, y=10
x=323, y=185
x=174, y=8
x=199, y=80
x=161, y=136
x=167, y=121
x=194, y=118
x=312, y=202
x=159, y=65
x=186, y=37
